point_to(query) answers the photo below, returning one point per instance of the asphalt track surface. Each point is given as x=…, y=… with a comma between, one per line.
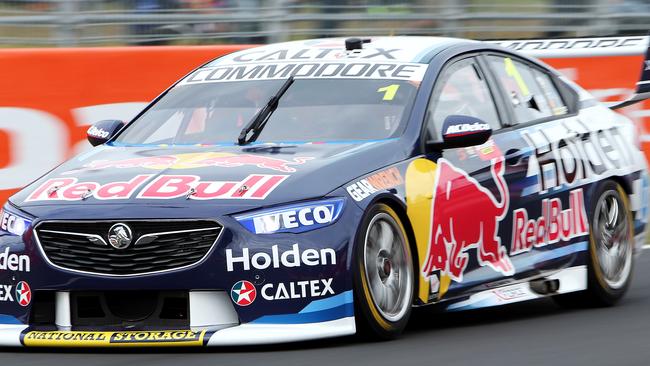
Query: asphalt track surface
x=534, y=333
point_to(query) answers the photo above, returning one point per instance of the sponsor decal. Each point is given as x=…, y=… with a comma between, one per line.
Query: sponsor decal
x=297, y=290
x=22, y=293
x=589, y=44
x=575, y=158
x=14, y=262
x=311, y=70
x=553, y=226
x=198, y=160
x=291, y=258
x=466, y=128
x=255, y=186
x=360, y=190
x=70, y=189
x=418, y=186
x=386, y=179
x=13, y=224
x=243, y=293
x=484, y=152
x=465, y=215
x=510, y=293
x=321, y=51
x=6, y=293
x=98, y=132
x=293, y=219
x=120, y=339
x=145, y=337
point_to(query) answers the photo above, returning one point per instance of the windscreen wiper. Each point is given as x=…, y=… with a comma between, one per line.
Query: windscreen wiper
x=259, y=121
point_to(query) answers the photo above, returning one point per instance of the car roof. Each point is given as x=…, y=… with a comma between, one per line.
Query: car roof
x=396, y=49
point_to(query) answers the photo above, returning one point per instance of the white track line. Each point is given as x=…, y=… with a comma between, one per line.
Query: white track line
x=647, y=246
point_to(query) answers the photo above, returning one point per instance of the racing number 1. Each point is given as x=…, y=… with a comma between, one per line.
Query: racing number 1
x=389, y=91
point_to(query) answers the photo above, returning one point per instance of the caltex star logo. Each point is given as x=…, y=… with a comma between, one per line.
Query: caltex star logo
x=23, y=293
x=243, y=293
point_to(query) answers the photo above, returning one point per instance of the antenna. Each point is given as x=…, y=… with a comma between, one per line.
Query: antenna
x=355, y=43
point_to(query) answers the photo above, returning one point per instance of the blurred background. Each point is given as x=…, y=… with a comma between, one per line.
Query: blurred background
x=64, y=23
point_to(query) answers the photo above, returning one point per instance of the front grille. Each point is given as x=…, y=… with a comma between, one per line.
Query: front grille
x=156, y=246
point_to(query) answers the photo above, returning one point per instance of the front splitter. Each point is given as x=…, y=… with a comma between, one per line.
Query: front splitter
x=241, y=335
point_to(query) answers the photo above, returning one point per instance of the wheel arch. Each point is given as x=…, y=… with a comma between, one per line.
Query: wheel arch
x=591, y=190
x=623, y=183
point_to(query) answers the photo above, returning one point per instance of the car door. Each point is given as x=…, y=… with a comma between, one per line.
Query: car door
x=471, y=195
x=548, y=224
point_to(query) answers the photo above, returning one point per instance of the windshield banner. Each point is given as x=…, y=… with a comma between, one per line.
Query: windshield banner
x=308, y=70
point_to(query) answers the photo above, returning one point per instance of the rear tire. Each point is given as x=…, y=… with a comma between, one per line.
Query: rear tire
x=383, y=275
x=611, y=246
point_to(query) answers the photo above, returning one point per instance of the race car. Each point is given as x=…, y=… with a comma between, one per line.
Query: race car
x=324, y=188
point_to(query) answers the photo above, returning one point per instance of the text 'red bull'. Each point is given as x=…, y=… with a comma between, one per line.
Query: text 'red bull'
x=554, y=225
x=466, y=215
x=255, y=186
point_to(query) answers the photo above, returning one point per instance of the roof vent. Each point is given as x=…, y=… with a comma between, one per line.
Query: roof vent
x=355, y=43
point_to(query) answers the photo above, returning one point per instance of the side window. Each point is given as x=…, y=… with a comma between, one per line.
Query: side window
x=555, y=102
x=461, y=90
x=531, y=91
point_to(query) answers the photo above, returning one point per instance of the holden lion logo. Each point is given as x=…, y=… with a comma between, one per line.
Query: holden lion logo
x=243, y=293
x=120, y=236
x=23, y=293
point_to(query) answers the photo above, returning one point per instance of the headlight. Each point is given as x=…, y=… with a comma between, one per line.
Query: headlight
x=11, y=223
x=295, y=218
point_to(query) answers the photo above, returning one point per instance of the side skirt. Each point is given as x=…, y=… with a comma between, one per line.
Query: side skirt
x=570, y=280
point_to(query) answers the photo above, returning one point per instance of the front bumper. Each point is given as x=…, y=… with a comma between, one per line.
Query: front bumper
x=300, y=297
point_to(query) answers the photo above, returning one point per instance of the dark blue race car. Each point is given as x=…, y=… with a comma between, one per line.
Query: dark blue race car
x=320, y=188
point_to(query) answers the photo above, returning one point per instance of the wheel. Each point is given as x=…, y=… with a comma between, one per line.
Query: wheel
x=383, y=275
x=611, y=246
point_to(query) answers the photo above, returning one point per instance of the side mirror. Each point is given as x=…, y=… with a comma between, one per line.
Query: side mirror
x=103, y=131
x=464, y=131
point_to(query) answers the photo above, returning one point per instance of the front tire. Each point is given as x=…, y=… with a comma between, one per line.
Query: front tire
x=611, y=246
x=383, y=275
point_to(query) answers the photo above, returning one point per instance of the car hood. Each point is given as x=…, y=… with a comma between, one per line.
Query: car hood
x=232, y=178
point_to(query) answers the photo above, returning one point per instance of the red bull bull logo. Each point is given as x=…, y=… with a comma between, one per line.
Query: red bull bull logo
x=200, y=160
x=466, y=215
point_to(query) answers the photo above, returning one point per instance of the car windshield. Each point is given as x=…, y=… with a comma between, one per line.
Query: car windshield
x=311, y=110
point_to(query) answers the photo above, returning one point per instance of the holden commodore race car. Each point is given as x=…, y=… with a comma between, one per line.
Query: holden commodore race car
x=322, y=188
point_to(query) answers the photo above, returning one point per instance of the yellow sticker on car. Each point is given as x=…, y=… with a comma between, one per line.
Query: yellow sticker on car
x=389, y=91
x=168, y=338
x=513, y=72
x=420, y=180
